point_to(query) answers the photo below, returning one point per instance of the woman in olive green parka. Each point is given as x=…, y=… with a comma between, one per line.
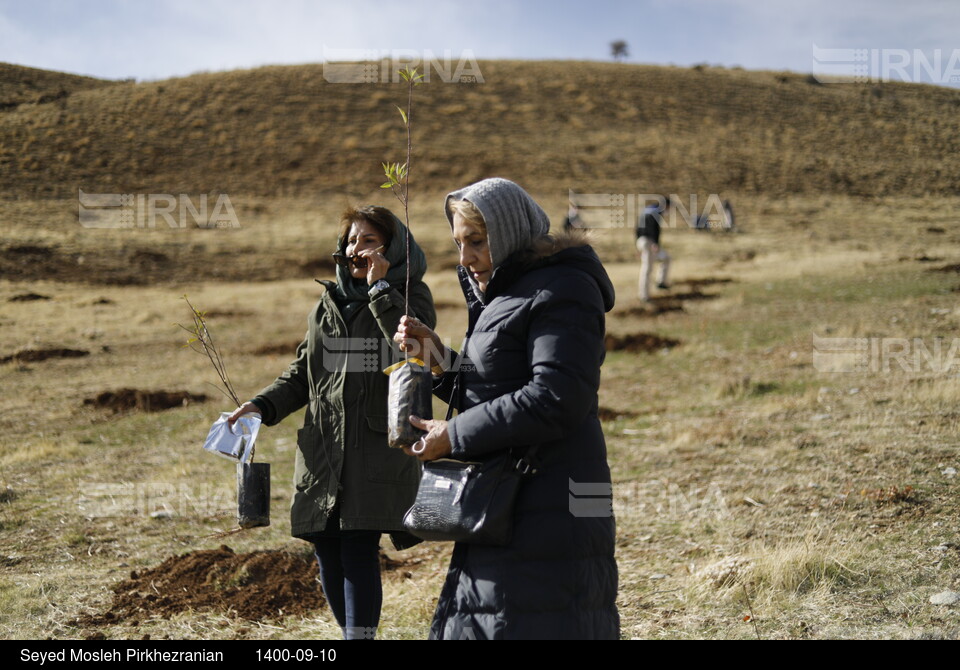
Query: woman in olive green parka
x=349, y=485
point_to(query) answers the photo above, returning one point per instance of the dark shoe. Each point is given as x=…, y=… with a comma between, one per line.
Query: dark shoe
x=663, y=286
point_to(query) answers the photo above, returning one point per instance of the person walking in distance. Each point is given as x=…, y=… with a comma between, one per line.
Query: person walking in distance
x=648, y=244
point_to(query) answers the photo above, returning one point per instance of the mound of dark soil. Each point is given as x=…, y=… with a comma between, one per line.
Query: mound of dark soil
x=699, y=282
x=34, y=355
x=131, y=266
x=607, y=414
x=28, y=297
x=149, y=258
x=227, y=313
x=255, y=586
x=146, y=401
x=30, y=250
x=277, y=349
x=673, y=300
x=37, y=262
x=639, y=343
x=693, y=294
x=656, y=306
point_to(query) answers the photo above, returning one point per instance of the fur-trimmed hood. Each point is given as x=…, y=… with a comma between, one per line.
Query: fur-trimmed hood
x=550, y=244
x=568, y=249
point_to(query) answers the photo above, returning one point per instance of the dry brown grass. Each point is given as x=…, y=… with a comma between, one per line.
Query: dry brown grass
x=728, y=450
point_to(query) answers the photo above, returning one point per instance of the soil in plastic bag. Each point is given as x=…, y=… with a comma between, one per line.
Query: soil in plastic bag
x=410, y=392
x=253, y=495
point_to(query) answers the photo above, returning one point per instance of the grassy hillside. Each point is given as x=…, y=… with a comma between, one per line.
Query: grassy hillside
x=31, y=86
x=553, y=126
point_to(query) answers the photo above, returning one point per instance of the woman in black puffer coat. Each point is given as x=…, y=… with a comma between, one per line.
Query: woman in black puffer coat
x=529, y=375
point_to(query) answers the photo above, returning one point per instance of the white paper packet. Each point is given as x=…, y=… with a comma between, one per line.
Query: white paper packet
x=236, y=443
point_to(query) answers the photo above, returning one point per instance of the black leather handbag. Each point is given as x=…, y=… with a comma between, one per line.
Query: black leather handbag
x=471, y=502
x=468, y=501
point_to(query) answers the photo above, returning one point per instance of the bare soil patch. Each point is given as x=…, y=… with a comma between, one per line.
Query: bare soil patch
x=255, y=586
x=29, y=250
x=146, y=401
x=178, y=262
x=35, y=355
x=639, y=343
x=656, y=306
x=607, y=414
x=277, y=349
x=673, y=301
x=693, y=294
x=227, y=313
x=700, y=282
x=39, y=262
x=28, y=297
x=399, y=567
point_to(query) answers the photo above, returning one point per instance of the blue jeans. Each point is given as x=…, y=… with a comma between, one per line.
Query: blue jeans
x=350, y=574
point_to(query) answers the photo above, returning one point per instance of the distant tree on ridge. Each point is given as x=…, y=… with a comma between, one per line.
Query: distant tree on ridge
x=618, y=49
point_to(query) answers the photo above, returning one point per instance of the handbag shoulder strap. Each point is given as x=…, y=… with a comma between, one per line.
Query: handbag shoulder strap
x=524, y=462
x=456, y=393
x=453, y=396
x=526, y=465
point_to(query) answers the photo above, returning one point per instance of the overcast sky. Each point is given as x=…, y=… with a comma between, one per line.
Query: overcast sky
x=156, y=39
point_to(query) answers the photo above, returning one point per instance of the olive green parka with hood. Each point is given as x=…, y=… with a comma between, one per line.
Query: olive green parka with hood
x=342, y=453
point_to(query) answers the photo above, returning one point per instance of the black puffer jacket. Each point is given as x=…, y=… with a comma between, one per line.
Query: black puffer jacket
x=530, y=376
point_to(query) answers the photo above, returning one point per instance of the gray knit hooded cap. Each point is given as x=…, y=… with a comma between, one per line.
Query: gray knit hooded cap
x=513, y=219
